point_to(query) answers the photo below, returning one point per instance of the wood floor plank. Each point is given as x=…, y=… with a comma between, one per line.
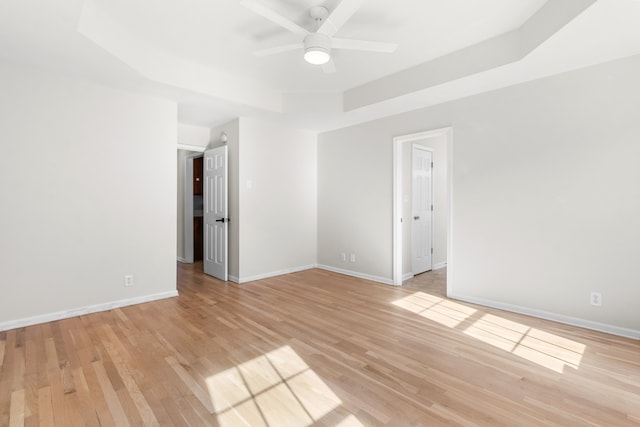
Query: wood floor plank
x=178, y=415
x=197, y=389
x=17, y=413
x=315, y=348
x=60, y=416
x=45, y=408
x=143, y=409
x=110, y=395
x=95, y=394
x=2, y=347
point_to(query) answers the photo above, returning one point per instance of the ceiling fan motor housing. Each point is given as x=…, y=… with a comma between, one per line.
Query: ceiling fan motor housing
x=317, y=40
x=316, y=43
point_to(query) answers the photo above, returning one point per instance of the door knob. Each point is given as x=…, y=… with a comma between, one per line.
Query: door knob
x=416, y=218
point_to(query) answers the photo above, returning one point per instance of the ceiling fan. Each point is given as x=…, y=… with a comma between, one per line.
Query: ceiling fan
x=317, y=44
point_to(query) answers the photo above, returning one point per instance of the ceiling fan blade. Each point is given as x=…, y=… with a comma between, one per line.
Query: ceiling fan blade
x=274, y=17
x=339, y=16
x=278, y=49
x=329, y=67
x=363, y=45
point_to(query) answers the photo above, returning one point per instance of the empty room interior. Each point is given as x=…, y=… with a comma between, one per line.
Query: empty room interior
x=320, y=213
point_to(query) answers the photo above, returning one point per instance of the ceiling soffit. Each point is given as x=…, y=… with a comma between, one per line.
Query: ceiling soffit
x=496, y=52
x=167, y=69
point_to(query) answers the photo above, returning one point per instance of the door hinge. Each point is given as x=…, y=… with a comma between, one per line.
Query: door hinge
x=431, y=208
x=431, y=165
x=431, y=251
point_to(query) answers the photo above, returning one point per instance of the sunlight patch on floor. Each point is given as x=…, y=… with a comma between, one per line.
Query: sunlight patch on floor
x=350, y=421
x=543, y=348
x=275, y=389
x=445, y=312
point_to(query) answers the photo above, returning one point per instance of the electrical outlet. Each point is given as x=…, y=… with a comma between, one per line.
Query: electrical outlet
x=343, y=257
x=128, y=280
x=352, y=257
x=596, y=299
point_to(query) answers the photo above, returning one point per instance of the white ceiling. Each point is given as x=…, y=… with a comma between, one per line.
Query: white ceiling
x=223, y=34
x=198, y=52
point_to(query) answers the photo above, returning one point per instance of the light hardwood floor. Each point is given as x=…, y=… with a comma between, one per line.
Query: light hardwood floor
x=315, y=348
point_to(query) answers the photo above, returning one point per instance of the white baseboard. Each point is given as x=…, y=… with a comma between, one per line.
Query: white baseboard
x=407, y=276
x=233, y=279
x=28, y=321
x=180, y=259
x=561, y=318
x=357, y=274
x=273, y=273
x=439, y=265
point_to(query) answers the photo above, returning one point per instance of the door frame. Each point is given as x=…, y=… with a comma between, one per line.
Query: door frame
x=417, y=146
x=398, y=142
x=187, y=226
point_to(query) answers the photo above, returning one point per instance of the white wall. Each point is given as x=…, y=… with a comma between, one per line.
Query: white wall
x=546, y=201
x=195, y=136
x=273, y=223
x=278, y=198
x=354, y=199
x=88, y=185
x=439, y=148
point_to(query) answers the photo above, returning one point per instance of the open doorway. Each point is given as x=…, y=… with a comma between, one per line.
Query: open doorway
x=190, y=204
x=203, y=210
x=406, y=228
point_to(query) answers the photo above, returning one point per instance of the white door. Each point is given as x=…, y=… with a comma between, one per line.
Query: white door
x=421, y=209
x=214, y=170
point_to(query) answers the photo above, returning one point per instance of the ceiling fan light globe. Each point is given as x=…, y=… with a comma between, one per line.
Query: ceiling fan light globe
x=316, y=55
